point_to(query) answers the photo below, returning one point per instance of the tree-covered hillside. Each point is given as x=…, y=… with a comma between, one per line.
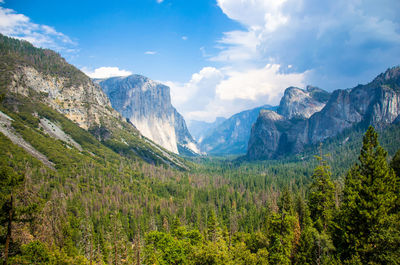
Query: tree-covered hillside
x=106, y=195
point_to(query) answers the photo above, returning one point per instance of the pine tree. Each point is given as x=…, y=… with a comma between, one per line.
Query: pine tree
x=322, y=196
x=395, y=163
x=212, y=226
x=368, y=224
x=10, y=182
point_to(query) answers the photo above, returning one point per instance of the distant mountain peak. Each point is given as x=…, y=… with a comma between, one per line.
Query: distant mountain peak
x=300, y=103
x=377, y=104
x=147, y=104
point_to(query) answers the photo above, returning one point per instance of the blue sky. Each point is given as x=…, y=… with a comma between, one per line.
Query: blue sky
x=218, y=56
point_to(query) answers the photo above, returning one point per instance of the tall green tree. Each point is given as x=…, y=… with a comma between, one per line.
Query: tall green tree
x=212, y=226
x=322, y=196
x=368, y=223
x=10, y=183
x=395, y=163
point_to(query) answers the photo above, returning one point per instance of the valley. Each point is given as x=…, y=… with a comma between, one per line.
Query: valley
x=106, y=171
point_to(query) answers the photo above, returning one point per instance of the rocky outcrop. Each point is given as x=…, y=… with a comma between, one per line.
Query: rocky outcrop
x=84, y=103
x=377, y=104
x=232, y=135
x=147, y=105
x=299, y=103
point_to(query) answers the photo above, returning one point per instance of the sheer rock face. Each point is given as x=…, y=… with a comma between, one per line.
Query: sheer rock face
x=232, y=135
x=299, y=103
x=84, y=103
x=147, y=105
x=377, y=104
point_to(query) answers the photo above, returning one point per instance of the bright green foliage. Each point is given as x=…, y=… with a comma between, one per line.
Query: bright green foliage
x=162, y=248
x=212, y=229
x=322, y=196
x=211, y=253
x=281, y=238
x=36, y=253
x=368, y=223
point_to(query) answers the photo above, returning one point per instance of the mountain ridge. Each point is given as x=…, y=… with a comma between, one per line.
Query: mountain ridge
x=376, y=103
x=231, y=136
x=34, y=76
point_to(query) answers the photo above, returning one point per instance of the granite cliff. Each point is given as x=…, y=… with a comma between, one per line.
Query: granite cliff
x=34, y=79
x=231, y=135
x=287, y=132
x=147, y=105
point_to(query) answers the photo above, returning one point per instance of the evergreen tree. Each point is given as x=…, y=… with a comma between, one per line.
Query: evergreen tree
x=10, y=181
x=212, y=226
x=395, y=163
x=10, y=184
x=322, y=196
x=368, y=223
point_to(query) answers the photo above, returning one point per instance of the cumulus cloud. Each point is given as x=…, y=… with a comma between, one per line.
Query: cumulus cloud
x=213, y=92
x=105, y=72
x=339, y=43
x=20, y=26
x=255, y=83
x=198, y=91
x=150, y=52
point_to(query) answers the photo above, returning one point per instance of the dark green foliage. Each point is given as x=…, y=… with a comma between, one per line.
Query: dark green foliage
x=105, y=204
x=15, y=53
x=368, y=223
x=395, y=163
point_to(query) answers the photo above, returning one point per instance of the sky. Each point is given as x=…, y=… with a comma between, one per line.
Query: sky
x=219, y=57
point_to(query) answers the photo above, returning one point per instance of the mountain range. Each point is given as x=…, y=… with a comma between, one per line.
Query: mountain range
x=134, y=116
x=230, y=136
x=307, y=117
x=34, y=79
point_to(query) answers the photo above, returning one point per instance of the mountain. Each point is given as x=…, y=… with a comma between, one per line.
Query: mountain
x=285, y=132
x=231, y=136
x=39, y=84
x=199, y=129
x=147, y=105
x=299, y=103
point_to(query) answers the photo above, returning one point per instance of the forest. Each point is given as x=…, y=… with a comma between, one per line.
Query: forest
x=98, y=207
x=337, y=203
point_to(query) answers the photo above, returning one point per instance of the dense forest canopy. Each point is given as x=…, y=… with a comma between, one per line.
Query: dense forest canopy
x=107, y=204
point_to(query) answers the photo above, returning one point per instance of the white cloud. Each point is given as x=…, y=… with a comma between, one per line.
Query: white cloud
x=198, y=91
x=213, y=92
x=20, y=26
x=184, y=37
x=105, y=72
x=255, y=83
x=339, y=43
x=150, y=52
x=160, y=1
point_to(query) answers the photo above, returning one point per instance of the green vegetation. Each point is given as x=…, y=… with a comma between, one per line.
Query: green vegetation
x=16, y=53
x=102, y=207
x=119, y=202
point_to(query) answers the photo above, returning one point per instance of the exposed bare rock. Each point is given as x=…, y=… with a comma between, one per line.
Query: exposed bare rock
x=147, y=105
x=54, y=131
x=9, y=132
x=299, y=103
x=377, y=104
x=86, y=104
